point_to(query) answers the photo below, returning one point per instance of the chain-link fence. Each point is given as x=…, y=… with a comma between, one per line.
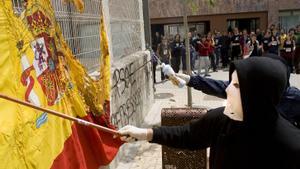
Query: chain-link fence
x=81, y=30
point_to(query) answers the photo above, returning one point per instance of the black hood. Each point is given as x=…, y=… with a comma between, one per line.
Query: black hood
x=281, y=59
x=262, y=83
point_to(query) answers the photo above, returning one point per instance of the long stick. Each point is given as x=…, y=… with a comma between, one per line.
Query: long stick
x=55, y=113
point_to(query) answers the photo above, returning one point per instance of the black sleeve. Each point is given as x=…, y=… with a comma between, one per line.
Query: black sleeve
x=209, y=86
x=198, y=134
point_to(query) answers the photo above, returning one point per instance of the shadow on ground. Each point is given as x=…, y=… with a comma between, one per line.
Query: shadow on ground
x=163, y=95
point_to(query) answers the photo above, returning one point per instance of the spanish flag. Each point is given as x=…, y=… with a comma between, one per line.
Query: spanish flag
x=36, y=65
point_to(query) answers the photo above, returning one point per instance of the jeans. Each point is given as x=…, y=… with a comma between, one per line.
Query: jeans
x=203, y=60
x=218, y=55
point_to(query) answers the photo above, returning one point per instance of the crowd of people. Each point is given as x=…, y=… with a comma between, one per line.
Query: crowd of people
x=216, y=50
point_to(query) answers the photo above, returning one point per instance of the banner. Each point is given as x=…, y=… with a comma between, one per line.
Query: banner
x=36, y=65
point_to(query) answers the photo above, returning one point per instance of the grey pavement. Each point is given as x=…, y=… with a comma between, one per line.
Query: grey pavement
x=143, y=155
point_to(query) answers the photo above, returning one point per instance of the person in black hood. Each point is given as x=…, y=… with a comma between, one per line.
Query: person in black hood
x=289, y=105
x=249, y=132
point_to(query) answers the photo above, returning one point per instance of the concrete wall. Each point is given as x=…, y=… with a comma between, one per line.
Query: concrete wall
x=132, y=92
x=127, y=27
x=132, y=89
x=132, y=84
x=132, y=95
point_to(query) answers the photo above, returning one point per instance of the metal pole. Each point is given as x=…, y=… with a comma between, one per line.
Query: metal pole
x=187, y=47
x=147, y=26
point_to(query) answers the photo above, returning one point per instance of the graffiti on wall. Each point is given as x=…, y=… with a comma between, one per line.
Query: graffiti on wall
x=130, y=87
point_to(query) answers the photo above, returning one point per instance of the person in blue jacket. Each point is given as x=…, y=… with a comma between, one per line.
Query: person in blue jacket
x=289, y=105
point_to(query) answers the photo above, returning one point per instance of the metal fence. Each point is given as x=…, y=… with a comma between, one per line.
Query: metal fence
x=81, y=30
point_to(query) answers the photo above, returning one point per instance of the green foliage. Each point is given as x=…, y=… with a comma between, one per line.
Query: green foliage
x=192, y=4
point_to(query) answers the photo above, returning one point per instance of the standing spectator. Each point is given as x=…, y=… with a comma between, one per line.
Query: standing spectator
x=259, y=36
x=266, y=41
x=288, y=51
x=272, y=27
x=176, y=52
x=244, y=40
x=225, y=45
x=274, y=45
x=194, y=45
x=275, y=33
x=282, y=39
x=297, y=50
x=253, y=46
x=164, y=53
x=211, y=53
x=235, y=45
x=218, y=46
x=192, y=51
x=204, y=55
x=154, y=64
x=156, y=41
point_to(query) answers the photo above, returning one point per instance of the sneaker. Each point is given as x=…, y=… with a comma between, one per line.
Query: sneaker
x=207, y=75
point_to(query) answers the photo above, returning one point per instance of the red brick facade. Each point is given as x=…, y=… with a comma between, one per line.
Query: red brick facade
x=163, y=9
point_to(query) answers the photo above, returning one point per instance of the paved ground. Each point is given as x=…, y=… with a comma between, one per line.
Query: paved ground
x=143, y=155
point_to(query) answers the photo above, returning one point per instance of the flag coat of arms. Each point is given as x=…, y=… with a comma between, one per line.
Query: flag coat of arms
x=37, y=66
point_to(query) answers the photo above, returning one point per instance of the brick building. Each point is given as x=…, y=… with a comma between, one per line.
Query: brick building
x=166, y=15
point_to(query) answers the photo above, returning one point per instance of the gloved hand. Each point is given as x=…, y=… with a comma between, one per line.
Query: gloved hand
x=132, y=133
x=184, y=77
x=167, y=70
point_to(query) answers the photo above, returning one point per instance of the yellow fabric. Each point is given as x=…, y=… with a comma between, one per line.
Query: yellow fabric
x=89, y=88
x=282, y=39
x=79, y=4
x=104, y=64
x=22, y=143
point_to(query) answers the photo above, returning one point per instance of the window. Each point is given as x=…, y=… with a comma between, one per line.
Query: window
x=289, y=19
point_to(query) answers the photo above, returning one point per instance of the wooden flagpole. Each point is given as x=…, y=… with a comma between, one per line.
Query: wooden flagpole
x=58, y=114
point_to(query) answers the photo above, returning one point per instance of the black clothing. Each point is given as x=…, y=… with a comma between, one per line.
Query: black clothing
x=266, y=41
x=225, y=44
x=164, y=55
x=288, y=53
x=156, y=41
x=255, y=51
x=176, y=54
x=260, y=37
x=236, y=47
x=274, y=47
x=236, y=39
x=262, y=140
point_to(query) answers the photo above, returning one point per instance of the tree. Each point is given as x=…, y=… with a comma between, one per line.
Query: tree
x=193, y=6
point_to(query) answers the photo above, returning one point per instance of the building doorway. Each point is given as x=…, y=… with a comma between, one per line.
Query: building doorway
x=250, y=24
x=157, y=28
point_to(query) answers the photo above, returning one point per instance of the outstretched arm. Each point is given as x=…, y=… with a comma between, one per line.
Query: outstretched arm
x=290, y=105
x=209, y=86
x=198, y=134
